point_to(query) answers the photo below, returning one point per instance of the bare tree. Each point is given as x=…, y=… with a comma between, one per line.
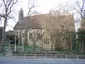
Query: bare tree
x=79, y=8
x=6, y=7
x=31, y=11
x=81, y=11
x=53, y=22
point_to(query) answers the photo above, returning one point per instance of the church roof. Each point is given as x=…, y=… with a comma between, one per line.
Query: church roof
x=30, y=22
x=39, y=21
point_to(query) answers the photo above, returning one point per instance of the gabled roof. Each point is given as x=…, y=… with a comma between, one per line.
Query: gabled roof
x=39, y=21
x=31, y=22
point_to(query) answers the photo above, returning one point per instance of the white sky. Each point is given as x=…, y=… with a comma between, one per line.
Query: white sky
x=43, y=6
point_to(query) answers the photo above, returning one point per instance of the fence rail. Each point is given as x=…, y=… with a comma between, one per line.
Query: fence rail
x=47, y=56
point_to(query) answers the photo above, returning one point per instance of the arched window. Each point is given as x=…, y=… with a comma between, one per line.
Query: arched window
x=38, y=35
x=30, y=35
x=46, y=41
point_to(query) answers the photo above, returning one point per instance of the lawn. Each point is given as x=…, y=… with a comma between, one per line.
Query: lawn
x=30, y=50
x=4, y=49
x=2, y=53
x=25, y=49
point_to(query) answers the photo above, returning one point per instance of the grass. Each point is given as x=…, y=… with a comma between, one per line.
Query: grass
x=4, y=50
x=21, y=46
x=2, y=53
x=70, y=52
x=30, y=50
x=27, y=49
x=5, y=47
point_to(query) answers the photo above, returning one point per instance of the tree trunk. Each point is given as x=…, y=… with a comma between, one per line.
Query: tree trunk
x=26, y=37
x=3, y=34
x=34, y=46
x=52, y=49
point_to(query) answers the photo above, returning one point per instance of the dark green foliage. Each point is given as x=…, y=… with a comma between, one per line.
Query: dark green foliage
x=81, y=40
x=12, y=38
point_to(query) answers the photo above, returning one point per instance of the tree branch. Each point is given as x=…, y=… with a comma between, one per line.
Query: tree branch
x=4, y=3
x=1, y=5
x=9, y=3
x=2, y=15
x=12, y=6
x=11, y=17
x=30, y=9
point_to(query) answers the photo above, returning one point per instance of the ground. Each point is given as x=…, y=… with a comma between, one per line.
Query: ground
x=41, y=61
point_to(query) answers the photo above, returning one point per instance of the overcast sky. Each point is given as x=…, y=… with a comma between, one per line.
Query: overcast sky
x=43, y=6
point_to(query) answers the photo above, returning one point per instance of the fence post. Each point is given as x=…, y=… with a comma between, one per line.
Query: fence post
x=24, y=55
x=66, y=56
x=55, y=56
x=14, y=56
x=77, y=56
x=34, y=56
x=45, y=56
